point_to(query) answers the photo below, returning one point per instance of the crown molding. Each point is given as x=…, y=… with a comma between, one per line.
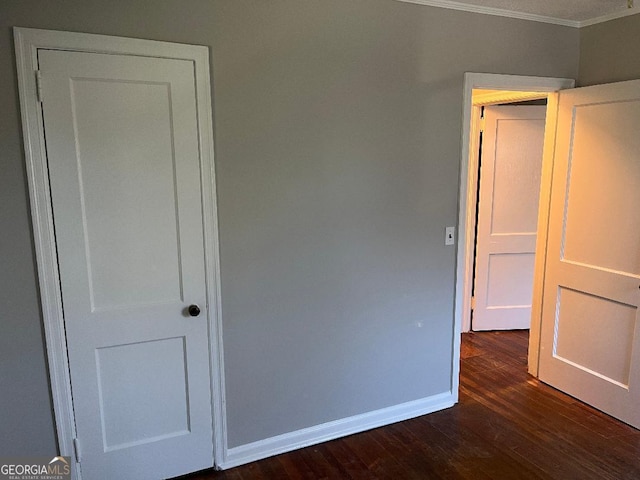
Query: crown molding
x=466, y=7
x=611, y=16
x=499, y=12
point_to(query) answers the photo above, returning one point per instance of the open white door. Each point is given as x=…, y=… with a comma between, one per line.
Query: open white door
x=124, y=167
x=511, y=164
x=590, y=333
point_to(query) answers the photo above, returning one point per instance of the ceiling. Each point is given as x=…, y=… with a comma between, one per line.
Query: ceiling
x=575, y=13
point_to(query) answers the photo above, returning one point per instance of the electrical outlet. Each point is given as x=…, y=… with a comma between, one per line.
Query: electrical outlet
x=450, y=236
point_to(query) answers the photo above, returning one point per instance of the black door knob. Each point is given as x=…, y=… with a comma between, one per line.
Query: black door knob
x=194, y=310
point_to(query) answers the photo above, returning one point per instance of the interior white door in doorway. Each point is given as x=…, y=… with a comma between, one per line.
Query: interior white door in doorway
x=511, y=166
x=590, y=332
x=124, y=165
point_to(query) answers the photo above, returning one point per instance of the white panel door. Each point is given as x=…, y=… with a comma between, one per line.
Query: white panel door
x=590, y=336
x=511, y=166
x=123, y=156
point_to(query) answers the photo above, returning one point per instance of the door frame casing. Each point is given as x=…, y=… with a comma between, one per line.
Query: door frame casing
x=468, y=184
x=27, y=43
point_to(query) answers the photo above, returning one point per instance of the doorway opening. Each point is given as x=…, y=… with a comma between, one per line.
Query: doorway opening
x=490, y=89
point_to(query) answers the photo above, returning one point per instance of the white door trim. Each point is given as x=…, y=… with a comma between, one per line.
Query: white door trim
x=27, y=43
x=469, y=180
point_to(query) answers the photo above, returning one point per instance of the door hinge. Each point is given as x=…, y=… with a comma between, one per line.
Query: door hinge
x=482, y=122
x=473, y=303
x=76, y=449
x=39, y=85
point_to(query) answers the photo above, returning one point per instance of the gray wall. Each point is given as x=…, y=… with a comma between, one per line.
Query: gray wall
x=337, y=128
x=610, y=51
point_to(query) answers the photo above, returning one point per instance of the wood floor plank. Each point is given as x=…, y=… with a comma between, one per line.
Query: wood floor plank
x=294, y=467
x=506, y=426
x=338, y=453
x=377, y=460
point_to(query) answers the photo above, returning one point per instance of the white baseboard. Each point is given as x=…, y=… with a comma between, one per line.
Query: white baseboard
x=339, y=428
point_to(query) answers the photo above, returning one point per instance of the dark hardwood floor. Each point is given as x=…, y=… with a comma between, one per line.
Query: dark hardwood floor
x=507, y=425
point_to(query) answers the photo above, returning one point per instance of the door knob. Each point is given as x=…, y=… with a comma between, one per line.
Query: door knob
x=194, y=310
